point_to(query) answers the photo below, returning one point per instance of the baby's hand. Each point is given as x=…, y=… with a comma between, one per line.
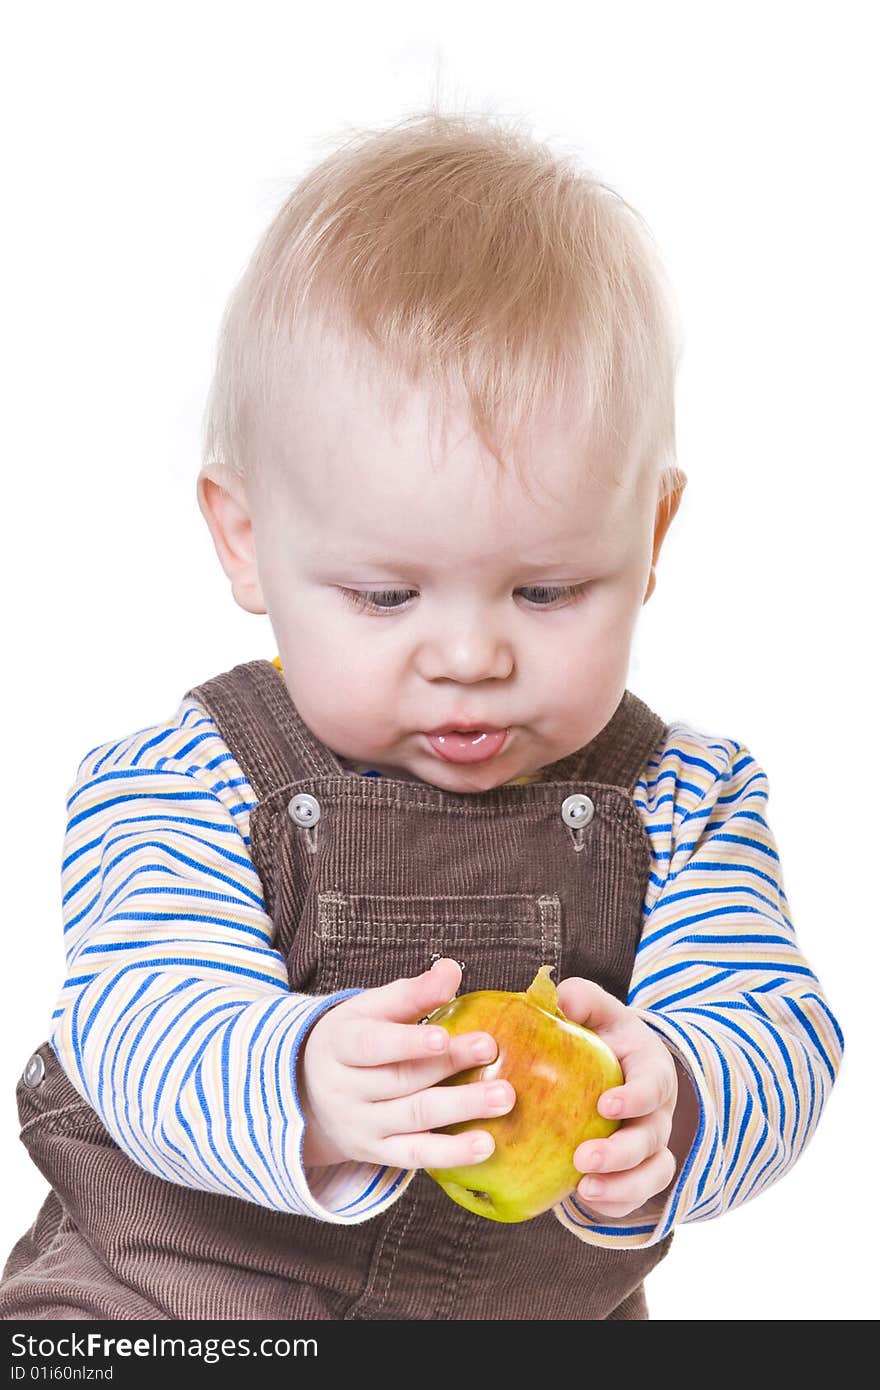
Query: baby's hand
x=634, y=1163
x=368, y=1072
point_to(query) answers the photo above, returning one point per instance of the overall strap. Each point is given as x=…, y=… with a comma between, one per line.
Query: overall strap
x=618, y=753
x=258, y=720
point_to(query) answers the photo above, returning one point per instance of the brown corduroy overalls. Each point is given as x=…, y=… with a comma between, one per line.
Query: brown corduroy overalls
x=388, y=875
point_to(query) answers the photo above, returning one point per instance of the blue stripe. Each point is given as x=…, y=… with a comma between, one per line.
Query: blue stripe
x=174, y=889
x=131, y=797
x=383, y=1200
x=829, y=1015
x=80, y=884
x=678, y=966
x=685, y=1172
x=209, y=965
x=133, y=774
x=77, y=854
x=716, y=893
x=686, y=1040
x=811, y=1033
x=690, y=760
x=258, y=1069
x=209, y=870
x=587, y=1223
x=206, y=1110
x=102, y=1055
x=217, y=1183
x=746, y=939
x=701, y=987
x=241, y=861
x=187, y=748
x=712, y=1197
x=758, y=1176
x=704, y=1176
x=275, y=1041
x=241, y=949
x=715, y=913
x=812, y=1079
x=735, y=1028
x=202, y=1019
x=721, y=866
x=169, y=1165
x=143, y=1016
x=156, y=742
x=726, y=1088
x=749, y=1106
x=152, y=821
x=779, y=1035
x=179, y=918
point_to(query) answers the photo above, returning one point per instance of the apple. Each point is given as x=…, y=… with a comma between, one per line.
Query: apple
x=558, y=1070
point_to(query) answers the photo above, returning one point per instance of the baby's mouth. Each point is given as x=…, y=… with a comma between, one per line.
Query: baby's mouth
x=467, y=746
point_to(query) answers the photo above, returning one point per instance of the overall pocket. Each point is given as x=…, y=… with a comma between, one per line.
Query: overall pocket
x=500, y=939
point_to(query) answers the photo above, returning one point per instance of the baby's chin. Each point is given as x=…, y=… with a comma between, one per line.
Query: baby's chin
x=445, y=776
x=430, y=769
x=465, y=777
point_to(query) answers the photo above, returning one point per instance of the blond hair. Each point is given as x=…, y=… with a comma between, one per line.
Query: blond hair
x=467, y=256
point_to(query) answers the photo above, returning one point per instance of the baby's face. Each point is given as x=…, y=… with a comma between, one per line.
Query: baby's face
x=409, y=584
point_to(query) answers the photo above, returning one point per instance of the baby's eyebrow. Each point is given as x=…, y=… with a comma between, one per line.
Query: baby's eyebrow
x=401, y=566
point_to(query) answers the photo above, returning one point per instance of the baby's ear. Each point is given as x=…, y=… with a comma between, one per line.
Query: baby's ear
x=224, y=505
x=672, y=485
x=672, y=480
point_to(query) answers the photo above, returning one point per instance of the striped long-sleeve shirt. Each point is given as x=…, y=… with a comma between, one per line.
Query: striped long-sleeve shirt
x=176, y=1022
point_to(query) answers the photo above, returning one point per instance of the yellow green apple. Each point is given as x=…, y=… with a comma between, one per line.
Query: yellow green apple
x=558, y=1069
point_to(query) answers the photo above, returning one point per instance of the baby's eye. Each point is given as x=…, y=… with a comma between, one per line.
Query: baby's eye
x=382, y=599
x=547, y=594
x=388, y=600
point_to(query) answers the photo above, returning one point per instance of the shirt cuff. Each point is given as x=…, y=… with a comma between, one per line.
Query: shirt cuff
x=656, y=1219
x=341, y=1193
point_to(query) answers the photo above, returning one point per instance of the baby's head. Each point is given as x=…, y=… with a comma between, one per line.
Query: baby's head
x=439, y=446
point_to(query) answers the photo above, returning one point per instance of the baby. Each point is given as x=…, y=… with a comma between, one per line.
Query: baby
x=440, y=456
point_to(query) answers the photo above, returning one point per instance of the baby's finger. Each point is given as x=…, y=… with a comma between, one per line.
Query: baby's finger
x=438, y=1150
x=615, y=1194
x=585, y=1002
x=649, y=1086
x=466, y=1052
x=407, y=1000
x=627, y=1147
x=398, y=1058
x=442, y=1105
x=372, y=1042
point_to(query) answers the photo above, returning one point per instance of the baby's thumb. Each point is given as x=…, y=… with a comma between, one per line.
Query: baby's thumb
x=410, y=999
x=433, y=987
x=441, y=981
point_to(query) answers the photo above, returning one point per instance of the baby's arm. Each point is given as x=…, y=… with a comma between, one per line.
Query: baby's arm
x=176, y=1022
x=721, y=980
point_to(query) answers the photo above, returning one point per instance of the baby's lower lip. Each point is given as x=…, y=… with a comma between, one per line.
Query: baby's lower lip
x=473, y=747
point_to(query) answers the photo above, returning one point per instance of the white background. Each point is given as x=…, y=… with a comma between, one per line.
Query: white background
x=147, y=146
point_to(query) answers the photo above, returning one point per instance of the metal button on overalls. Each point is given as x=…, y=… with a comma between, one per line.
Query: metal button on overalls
x=578, y=810
x=304, y=809
x=34, y=1071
